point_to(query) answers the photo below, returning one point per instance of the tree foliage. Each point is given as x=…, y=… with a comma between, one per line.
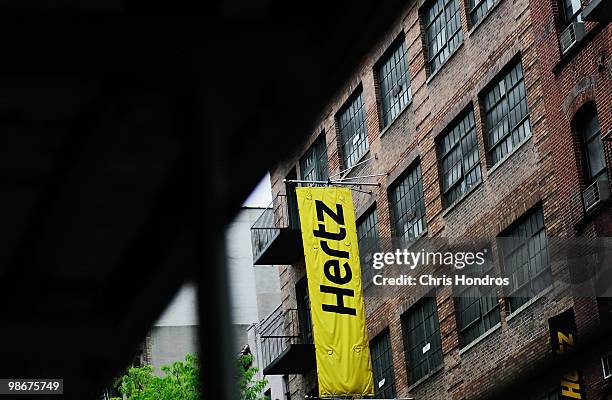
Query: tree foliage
x=250, y=388
x=181, y=381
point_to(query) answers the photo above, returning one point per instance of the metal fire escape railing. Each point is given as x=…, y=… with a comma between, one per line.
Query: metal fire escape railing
x=267, y=227
x=280, y=330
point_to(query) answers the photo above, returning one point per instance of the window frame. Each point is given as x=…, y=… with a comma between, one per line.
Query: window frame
x=459, y=123
x=370, y=216
x=353, y=108
x=580, y=126
x=606, y=365
x=433, y=365
x=509, y=236
x=483, y=293
x=319, y=165
x=522, y=126
x=384, y=68
x=417, y=207
x=477, y=7
x=304, y=311
x=387, y=372
x=446, y=45
x=565, y=17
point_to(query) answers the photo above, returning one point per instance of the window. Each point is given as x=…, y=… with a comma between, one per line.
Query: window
x=606, y=362
x=313, y=165
x=604, y=304
x=586, y=125
x=293, y=217
x=507, y=114
x=422, y=339
x=303, y=303
x=525, y=257
x=570, y=11
x=479, y=8
x=367, y=233
x=394, y=83
x=477, y=307
x=460, y=162
x=408, y=205
x=442, y=31
x=353, y=131
x=382, y=364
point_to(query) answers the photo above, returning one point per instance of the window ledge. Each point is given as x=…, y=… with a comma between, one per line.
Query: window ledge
x=529, y=303
x=386, y=128
x=588, y=217
x=460, y=199
x=484, y=17
x=507, y=156
x=441, y=67
x=413, y=242
x=425, y=378
x=480, y=338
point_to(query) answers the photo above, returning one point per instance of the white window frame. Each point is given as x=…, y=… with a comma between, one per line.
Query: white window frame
x=607, y=359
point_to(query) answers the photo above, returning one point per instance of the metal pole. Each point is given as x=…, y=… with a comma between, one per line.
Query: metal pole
x=307, y=397
x=303, y=181
x=347, y=170
x=362, y=176
x=355, y=183
x=332, y=182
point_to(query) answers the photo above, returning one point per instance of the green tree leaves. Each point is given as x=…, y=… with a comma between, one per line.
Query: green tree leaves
x=181, y=381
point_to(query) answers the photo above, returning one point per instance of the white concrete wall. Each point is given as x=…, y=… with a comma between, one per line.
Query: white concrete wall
x=254, y=290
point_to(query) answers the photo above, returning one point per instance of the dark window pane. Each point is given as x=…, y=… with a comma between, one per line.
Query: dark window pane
x=587, y=127
x=477, y=307
x=408, y=205
x=422, y=339
x=394, y=83
x=571, y=10
x=382, y=365
x=506, y=114
x=479, y=8
x=525, y=256
x=459, y=159
x=313, y=165
x=442, y=31
x=367, y=233
x=303, y=303
x=353, y=131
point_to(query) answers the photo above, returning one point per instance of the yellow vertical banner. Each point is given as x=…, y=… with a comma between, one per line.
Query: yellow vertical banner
x=329, y=234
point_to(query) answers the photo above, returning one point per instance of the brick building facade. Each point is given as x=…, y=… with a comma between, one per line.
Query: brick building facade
x=513, y=91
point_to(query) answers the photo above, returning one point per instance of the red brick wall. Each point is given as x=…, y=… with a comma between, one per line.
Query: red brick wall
x=544, y=170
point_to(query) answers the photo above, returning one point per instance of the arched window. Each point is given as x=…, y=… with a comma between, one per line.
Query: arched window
x=586, y=125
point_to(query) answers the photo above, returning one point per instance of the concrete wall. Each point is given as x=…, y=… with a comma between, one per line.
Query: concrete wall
x=175, y=334
x=254, y=291
x=172, y=343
